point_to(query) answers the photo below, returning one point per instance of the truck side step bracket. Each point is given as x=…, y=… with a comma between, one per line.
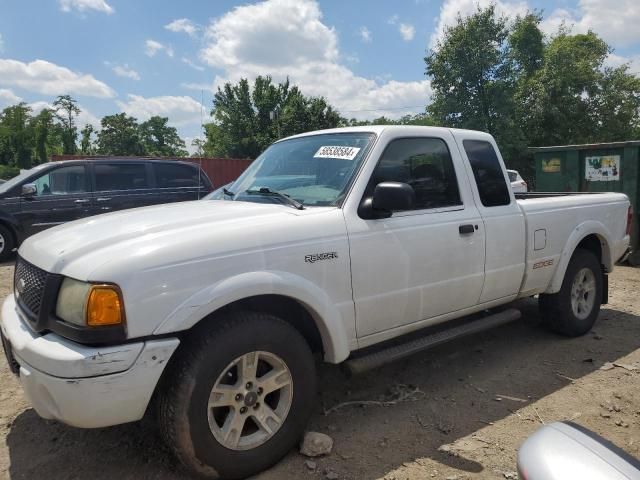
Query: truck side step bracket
x=396, y=352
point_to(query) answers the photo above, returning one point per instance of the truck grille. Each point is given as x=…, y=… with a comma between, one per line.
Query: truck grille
x=28, y=283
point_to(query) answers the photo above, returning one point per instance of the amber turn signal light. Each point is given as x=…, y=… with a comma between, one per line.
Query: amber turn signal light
x=104, y=306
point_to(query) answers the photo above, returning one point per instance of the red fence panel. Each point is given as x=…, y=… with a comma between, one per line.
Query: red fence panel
x=221, y=170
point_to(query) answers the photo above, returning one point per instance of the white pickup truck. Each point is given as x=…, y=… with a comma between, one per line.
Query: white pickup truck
x=331, y=244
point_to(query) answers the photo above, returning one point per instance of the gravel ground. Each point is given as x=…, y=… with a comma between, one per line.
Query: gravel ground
x=478, y=397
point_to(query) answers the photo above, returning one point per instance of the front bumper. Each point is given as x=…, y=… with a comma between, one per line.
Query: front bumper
x=84, y=386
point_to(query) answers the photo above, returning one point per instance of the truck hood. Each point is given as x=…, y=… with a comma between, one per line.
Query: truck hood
x=178, y=230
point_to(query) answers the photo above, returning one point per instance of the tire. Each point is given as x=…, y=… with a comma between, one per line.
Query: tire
x=206, y=358
x=574, y=315
x=7, y=243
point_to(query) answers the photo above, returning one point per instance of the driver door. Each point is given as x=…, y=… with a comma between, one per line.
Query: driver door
x=417, y=264
x=62, y=195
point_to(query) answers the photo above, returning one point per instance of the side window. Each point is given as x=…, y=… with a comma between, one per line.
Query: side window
x=62, y=181
x=120, y=176
x=426, y=165
x=487, y=172
x=175, y=176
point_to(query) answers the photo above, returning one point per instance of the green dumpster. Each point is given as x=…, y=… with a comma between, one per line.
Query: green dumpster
x=600, y=167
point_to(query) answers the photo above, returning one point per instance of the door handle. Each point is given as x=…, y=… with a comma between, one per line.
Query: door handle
x=103, y=199
x=467, y=229
x=82, y=200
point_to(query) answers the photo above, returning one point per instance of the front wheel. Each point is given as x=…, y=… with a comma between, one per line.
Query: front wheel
x=238, y=396
x=574, y=309
x=7, y=244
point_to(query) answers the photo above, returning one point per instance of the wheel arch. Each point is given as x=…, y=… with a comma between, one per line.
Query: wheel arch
x=12, y=229
x=592, y=236
x=293, y=298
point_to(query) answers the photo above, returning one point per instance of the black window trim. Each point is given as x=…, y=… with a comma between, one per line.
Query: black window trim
x=421, y=211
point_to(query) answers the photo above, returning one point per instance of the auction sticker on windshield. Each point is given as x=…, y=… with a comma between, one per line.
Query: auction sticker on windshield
x=342, y=153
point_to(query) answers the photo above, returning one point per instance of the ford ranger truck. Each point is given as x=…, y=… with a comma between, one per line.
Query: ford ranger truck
x=330, y=245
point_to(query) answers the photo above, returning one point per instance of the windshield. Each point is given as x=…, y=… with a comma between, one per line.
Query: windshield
x=9, y=184
x=314, y=170
x=513, y=176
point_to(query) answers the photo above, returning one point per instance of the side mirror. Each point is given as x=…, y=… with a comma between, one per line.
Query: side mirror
x=566, y=450
x=387, y=198
x=29, y=189
x=393, y=196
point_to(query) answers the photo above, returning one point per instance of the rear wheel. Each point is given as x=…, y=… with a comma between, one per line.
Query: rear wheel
x=574, y=309
x=7, y=244
x=238, y=396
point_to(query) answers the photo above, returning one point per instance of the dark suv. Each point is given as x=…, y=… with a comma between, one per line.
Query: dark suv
x=58, y=192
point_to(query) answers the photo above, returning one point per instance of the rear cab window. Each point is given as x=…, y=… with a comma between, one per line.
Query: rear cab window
x=487, y=172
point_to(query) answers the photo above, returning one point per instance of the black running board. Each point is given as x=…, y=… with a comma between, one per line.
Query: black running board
x=396, y=352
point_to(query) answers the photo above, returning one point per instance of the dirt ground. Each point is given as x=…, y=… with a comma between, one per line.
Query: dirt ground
x=478, y=397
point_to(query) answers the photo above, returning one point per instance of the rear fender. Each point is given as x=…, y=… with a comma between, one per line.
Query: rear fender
x=210, y=299
x=590, y=227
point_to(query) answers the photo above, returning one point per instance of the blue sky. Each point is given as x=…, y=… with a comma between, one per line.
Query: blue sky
x=149, y=57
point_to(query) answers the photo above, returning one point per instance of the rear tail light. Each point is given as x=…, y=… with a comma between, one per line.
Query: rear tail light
x=629, y=220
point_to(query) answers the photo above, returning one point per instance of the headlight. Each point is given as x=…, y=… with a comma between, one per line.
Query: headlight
x=87, y=304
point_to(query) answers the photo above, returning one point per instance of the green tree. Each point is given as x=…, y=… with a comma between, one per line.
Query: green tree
x=86, y=144
x=470, y=73
x=158, y=138
x=119, y=135
x=45, y=135
x=16, y=133
x=247, y=119
x=573, y=99
x=526, y=44
x=67, y=110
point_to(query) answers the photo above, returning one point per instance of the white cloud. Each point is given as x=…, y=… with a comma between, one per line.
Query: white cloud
x=50, y=79
x=181, y=110
x=192, y=64
x=407, y=31
x=450, y=10
x=614, y=60
x=83, y=5
x=273, y=32
x=365, y=35
x=152, y=47
x=81, y=120
x=616, y=22
x=8, y=98
x=287, y=38
x=125, y=71
x=198, y=86
x=183, y=25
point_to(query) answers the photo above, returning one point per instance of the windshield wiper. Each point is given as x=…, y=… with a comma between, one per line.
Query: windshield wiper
x=275, y=193
x=228, y=192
